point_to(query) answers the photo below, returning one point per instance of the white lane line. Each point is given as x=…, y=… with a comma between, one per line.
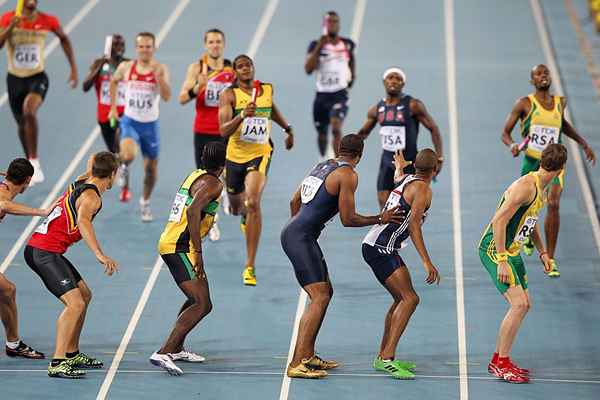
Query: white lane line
x=261, y=29
x=285, y=385
x=574, y=152
x=456, y=206
x=85, y=10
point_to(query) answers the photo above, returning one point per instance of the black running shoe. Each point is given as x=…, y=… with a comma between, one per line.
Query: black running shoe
x=24, y=351
x=65, y=370
x=84, y=361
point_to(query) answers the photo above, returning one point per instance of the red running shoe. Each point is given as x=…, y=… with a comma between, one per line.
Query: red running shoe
x=494, y=369
x=125, y=195
x=511, y=376
x=24, y=351
x=520, y=371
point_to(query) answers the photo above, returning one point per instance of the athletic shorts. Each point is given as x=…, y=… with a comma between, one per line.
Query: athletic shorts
x=57, y=273
x=19, y=88
x=305, y=254
x=517, y=272
x=385, y=177
x=181, y=266
x=200, y=140
x=110, y=136
x=327, y=106
x=531, y=164
x=144, y=133
x=235, y=173
x=382, y=262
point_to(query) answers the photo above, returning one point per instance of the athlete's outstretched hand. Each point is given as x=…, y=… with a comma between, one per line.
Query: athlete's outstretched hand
x=249, y=111
x=546, y=262
x=110, y=265
x=73, y=80
x=399, y=162
x=502, y=272
x=590, y=155
x=514, y=149
x=433, y=276
x=289, y=140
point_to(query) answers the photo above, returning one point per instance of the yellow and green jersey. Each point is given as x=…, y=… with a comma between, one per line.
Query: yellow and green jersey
x=542, y=126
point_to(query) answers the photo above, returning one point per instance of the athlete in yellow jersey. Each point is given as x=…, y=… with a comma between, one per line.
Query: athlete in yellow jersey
x=247, y=125
x=542, y=123
x=514, y=222
x=180, y=247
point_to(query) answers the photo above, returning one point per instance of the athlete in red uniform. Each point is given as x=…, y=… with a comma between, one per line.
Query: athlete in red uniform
x=68, y=222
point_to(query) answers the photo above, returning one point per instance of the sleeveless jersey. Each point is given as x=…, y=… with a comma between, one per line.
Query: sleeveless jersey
x=392, y=237
x=519, y=227
x=59, y=230
x=399, y=128
x=333, y=70
x=252, y=139
x=142, y=96
x=26, y=43
x=543, y=127
x=176, y=235
x=102, y=86
x=207, y=102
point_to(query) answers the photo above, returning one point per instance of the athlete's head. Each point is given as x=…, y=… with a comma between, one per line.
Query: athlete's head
x=554, y=158
x=145, y=46
x=213, y=157
x=214, y=43
x=243, y=66
x=426, y=162
x=30, y=5
x=351, y=146
x=540, y=77
x=19, y=173
x=105, y=166
x=332, y=23
x=118, y=46
x=393, y=81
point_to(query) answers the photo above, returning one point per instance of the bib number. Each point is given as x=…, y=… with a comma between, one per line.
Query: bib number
x=309, y=188
x=177, y=207
x=27, y=56
x=542, y=136
x=255, y=130
x=393, y=138
x=105, y=93
x=43, y=227
x=526, y=229
x=329, y=79
x=212, y=92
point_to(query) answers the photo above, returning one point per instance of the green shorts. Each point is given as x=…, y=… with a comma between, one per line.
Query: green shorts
x=531, y=164
x=518, y=273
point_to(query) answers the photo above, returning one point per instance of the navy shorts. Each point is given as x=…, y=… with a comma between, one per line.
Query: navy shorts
x=144, y=133
x=385, y=178
x=19, y=88
x=382, y=262
x=57, y=273
x=305, y=254
x=327, y=106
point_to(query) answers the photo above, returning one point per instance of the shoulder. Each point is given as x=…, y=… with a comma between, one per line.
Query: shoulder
x=312, y=45
x=349, y=42
x=194, y=67
x=49, y=20
x=563, y=101
x=5, y=19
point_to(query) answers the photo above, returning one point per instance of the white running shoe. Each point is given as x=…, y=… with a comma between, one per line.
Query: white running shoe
x=38, y=174
x=165, y=362
x=214, y=233
x=145, y=210
x=187, y=356
x=123, y=176
x=225, y=202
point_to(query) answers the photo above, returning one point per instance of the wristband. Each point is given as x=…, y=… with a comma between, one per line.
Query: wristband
x=502, y=256
x=542, y=253
x=191, y=93
x=288, y=129
x=379, y=220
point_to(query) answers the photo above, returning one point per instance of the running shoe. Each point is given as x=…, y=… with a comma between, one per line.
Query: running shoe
x=125, y=195
x=38, y=174
x=214, y=233
x=554, y=272
x=249, y=277
x=303, y=371
x=494, y=369
x=528, y=247
x=83, y=361
x=65, y=370
x=186, y=356
x=518, y=370
x=24, y=351
x=407, y=365
x=316, y=362
x=145, y=210
x=165, y=362
x=392, y=368
x=508, y=374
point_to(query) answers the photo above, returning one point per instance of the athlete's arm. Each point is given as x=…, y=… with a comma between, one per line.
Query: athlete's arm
x=205, y=189
x=420, y=111
x=370, y=123
x=536, y=237
x=65, y=43
x=312, y=58
x=568, y=130
x=95, y=68
x=87, y=205
x=352, y=66
x=295, y=203
x=227, y=123
x=5, y=33
x=287, y=128
x=519, y=110
x=117, y=77
x=162, y=77
x=13, y=208
x=190, y=83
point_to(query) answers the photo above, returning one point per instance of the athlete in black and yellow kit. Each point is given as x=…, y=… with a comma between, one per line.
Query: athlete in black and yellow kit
x=542, y=123
x=180, y=247
x=247, y=124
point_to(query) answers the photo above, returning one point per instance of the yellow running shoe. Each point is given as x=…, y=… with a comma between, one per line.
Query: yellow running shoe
x=249, y=277
x=554, y=272
x=316, y=362
x=528, y=247
x=302, y=370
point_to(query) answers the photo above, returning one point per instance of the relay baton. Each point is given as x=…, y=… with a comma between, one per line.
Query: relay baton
x=324, y=25
x=523, y=144
x=19, y=9
x=255, y=90
x=108, y=46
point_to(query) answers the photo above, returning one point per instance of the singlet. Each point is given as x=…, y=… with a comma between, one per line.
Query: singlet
x=519, y=227
x=176, y=235
x=102, y=86
x=207, y=101
x=392, y=237
x=142, y=96
x=543, y=127
x=59, y=230
x=252, y=138
x=318, y=206
x=399, y=128
x=333, y=70
x=26, y=43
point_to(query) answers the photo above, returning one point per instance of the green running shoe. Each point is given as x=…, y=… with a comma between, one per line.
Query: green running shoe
x=554, y=272
x=528, y=247
x=392, y=368
x=407, y=365
x=84, y=361
x=65, y=370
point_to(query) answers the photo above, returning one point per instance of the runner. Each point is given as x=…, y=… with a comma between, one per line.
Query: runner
x=247, y=125
x=17, y=180
x=26, y=81
x=381, y=250
x=101, y=72
x=399, y=116
x=327, y=190
x=147, y=81
x=542, y=123
x=514, y=222
x=68, y=222
x=204, y=81
x=180, y=247
x=332, y=57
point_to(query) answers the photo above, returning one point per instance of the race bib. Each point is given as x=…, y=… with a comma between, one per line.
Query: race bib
x=393, y=138
x=541, y=136
x=213, y=91
x=43, y=227
x=105, y=93
x=330, y=79
x=309, y=188
x=142, y=102
x=27, y=56
x=392, y=201
x=177, y=208
x=255, y=130
x=526, y=229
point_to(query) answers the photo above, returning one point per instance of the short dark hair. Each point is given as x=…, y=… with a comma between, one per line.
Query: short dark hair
x=213, y=156
x=242, y=56
x=352, y=145
x=213, y=30
x=105, y=164
x=332, y=13
x=554, y=157
x=19, y=170
x=426, y=161
x=148, y=35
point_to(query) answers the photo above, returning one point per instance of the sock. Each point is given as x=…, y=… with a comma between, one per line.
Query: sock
x=56, y=361
x=35, y=162
x=503, y=361
x=73, y=354
x=13, y=345
x=495, y=358
x=387, y=359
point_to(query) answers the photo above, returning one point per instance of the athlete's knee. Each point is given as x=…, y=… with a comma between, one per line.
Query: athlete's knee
x=412, y=300
x=77, y=305
x=322, y=297
x=86, y=295
x=8, y=292
x=520, y=306
x=252, y=204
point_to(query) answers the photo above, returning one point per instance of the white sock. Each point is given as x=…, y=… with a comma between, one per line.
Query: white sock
x=13, y=345
x=35, y=162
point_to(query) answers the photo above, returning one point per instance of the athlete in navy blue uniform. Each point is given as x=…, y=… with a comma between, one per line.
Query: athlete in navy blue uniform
x=399, y=116
x=332, y=57
x=381, y=250
x=327, y=190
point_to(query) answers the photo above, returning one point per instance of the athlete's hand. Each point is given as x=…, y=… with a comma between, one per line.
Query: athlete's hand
x=438, y=167
x=199, y=268
x=204, y=70
x=73, y=80
x=14, y=22
x=590, y=155
x=250, y=110
x=514, y=149
x=502, y=272
x=289, y=140
x=433, y=276
x=392, y=216
x=323, y=40
x=110, y=265
x=546, y=262
x=399, y=162
x=113, y=114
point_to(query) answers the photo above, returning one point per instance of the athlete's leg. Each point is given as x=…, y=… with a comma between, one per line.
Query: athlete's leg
x=336, y=131
x=127, y=150
x=8, y=309
x=32, y=103
x=552, y=222
x=67, y=323
x=86, y=295
x=255, y=183
x=519, y=306
x=236, y=204
x=322, y=139
x=150, y=176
